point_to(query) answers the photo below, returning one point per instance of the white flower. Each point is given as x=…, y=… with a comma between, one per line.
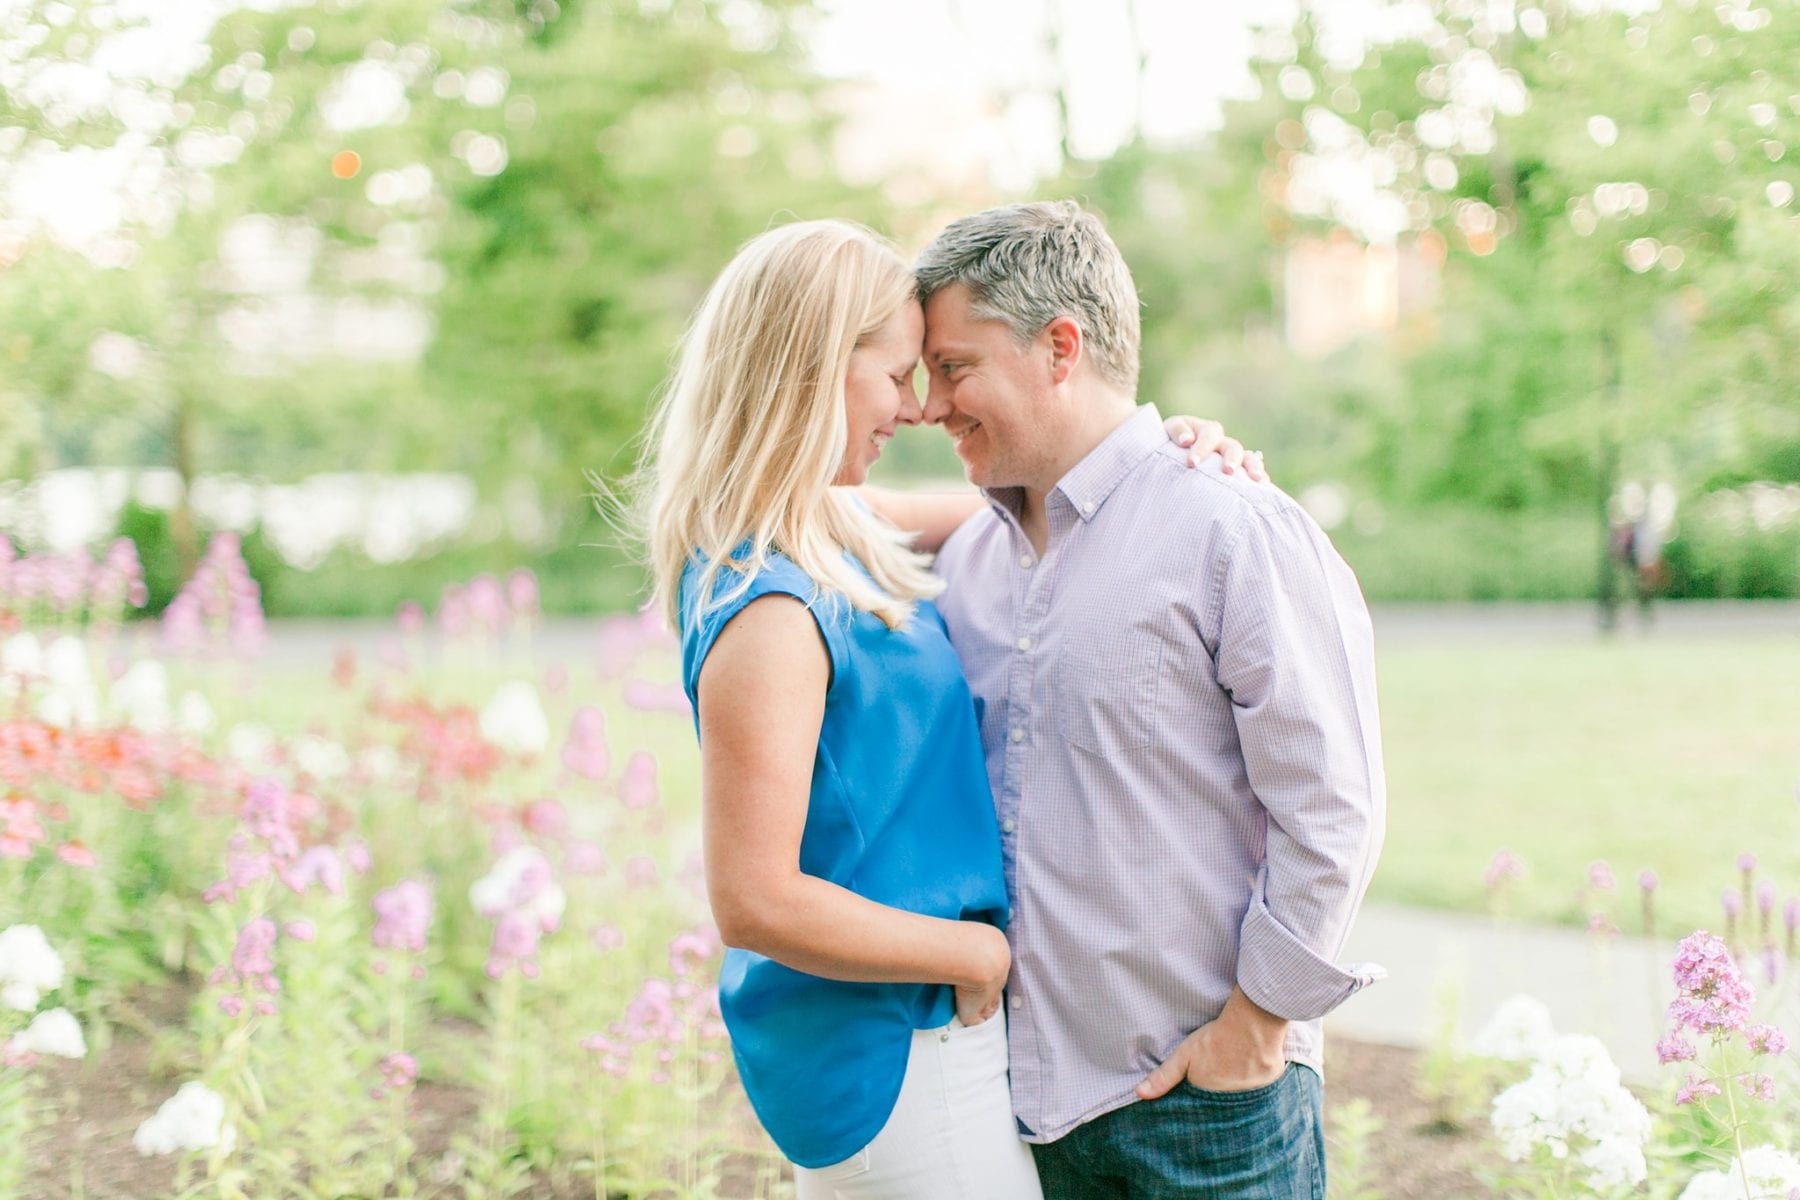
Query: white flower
x=1573, y=1101
x=1762, y=1172
x=522, y=882
x=379, y=762
x=21, y=657
x=249, y=745
x=514, y=719
x=1518, y=1031
x=319, y=757
x=54, y=1031
x=192, y=1119
x=71, y=699
x=141, y=696
x=27, y=966
x=194, y=714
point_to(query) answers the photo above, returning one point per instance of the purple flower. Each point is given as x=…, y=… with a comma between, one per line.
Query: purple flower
x=1766, y=1039
x=1765, y=898
x=319, y=864
x=402, y=916
x=1760, y=1086
x=1746, y=862
x=1647, y=880
x=1733, y=902
x=1674, y=1048
x=251, y=956
x=1600, y=876
x=301, y=930
x=1710, y=994
x=1695, y=1087
x=1504, y=866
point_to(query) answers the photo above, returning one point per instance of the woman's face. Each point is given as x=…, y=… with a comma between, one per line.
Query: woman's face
x=878, y=392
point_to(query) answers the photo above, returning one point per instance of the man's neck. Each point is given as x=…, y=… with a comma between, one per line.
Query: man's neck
x=1109, y=411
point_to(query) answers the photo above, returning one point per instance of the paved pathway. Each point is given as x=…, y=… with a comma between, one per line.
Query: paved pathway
x=1615, y=988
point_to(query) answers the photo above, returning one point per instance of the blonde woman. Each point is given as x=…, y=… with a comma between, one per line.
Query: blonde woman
x=852, y=855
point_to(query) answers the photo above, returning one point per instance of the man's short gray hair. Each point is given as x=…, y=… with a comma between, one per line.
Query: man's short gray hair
x=1028, y=264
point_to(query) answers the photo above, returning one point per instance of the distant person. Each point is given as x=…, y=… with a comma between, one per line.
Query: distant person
x=1176, y=681
x=853, y=857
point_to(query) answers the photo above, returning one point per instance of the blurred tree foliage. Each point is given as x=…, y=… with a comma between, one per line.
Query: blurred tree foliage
x=550, y=186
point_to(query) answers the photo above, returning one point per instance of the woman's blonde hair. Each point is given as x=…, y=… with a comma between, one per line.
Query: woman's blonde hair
x=750, y=432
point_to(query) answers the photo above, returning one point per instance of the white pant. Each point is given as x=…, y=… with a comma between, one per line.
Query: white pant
x=951, y=1135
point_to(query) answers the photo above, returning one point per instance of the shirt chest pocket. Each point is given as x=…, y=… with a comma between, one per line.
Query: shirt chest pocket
x=1105, y=698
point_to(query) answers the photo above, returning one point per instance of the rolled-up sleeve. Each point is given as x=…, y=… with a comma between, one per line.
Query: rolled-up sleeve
x=1295, y=653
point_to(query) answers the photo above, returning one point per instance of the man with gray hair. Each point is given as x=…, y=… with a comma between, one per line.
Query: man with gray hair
x=1176, y=686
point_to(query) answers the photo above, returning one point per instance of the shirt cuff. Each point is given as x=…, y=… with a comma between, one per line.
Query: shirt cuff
x=1285, y=977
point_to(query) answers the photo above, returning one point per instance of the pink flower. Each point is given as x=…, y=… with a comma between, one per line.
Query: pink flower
x=75, y=854
x=319, y=864
x=607, y=937
x=231, y=1005
x=1733, y=903
x=1695, y=1087
x=584, y=858
x=546, y=818
x=585, y=752
x=1766, y=1039
x=1504, y=866
x=637, y=787
x=1765, y=898
x=640, y=871
x=402, y=916
x=1710, y=993
x=1674, y=1048
x=1600, y=876
x=251, y=956
x=645, y=696
x=301, y=930
x=411, y=617
x=522, y=594
x=1746, y=862
x=1760, y=1086
x=686, y=949
x=399, y=1070
x=1647, y=880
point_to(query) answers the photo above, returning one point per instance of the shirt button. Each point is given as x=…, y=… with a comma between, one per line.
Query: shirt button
x=1018, y=1002
x=943, y=1037
x=1018, y=733
x=1025, y=560
x=1087, y=506
x=1024, y=643
x=1007, y=825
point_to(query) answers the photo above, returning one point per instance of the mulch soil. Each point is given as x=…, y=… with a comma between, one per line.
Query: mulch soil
x=83, y=1149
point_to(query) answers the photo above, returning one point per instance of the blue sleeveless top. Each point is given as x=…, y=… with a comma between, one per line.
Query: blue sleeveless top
x=900, y=813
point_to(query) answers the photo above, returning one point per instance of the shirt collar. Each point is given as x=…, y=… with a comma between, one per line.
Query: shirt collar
x=1090, y=481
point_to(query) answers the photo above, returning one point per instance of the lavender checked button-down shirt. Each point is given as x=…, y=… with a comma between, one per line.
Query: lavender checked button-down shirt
x=1178, y=710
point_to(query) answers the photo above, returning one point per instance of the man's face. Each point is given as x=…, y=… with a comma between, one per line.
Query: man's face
x=990, y=394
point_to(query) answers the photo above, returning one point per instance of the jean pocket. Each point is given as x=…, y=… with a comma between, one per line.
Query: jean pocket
x=1106, y=692
x=1258, y=1095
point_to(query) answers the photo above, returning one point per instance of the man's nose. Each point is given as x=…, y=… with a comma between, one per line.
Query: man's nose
x=937, y=401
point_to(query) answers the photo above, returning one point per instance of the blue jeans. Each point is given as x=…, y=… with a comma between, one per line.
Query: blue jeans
x=1267, y=1144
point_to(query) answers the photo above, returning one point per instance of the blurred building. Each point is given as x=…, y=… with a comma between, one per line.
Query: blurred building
x=1337, y=288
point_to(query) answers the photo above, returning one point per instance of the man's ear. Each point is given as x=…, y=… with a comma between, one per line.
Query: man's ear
x=1066, y=346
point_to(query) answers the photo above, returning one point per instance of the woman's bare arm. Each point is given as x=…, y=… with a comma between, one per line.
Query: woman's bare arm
x=762, y=703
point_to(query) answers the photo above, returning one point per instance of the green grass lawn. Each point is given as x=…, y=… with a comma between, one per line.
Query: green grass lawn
x=1671, y=754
